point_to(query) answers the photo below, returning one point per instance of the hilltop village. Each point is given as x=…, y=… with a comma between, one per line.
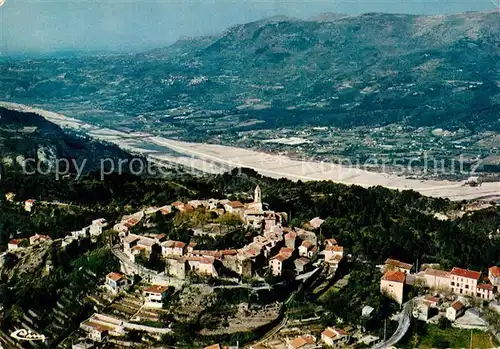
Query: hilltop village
x=237, y=267
x=276, y=246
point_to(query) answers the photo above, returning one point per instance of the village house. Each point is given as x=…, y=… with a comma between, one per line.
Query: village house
x=176, y=267
x=10, y=197
x=305, y=235
x=239, y=263
x=494, y=275
x=116, y=282
x=316, y=222
x=98, y=333
x=301, y=264
x=433, y=301
x=335, y=338
x=290, y=239
x=333, y=254
x=485, y=291
x=303, y=342
x=16, y=244
x=37, y=238
x=464, y=282
x=79, y=234
x=455, y=310
x=128, y=243
x=29, y=204
x=279, y=262
x=154, y=296
x=202, y=266
x=271, y=220
x=234, y=207
x=105, y=325
x=173, y=248
x=96, y=227
x=393, y=264
x=435, y=279
x=392, y=283
x=307, y=249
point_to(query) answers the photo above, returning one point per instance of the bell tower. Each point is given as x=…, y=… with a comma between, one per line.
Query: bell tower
x=257, y=195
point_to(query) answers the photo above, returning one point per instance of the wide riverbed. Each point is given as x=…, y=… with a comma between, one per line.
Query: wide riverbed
x=212, y=158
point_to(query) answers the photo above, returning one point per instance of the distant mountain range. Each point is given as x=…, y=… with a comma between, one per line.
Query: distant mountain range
x=334, y=69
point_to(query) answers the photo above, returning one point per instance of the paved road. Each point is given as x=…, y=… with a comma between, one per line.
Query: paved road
x=403, y=326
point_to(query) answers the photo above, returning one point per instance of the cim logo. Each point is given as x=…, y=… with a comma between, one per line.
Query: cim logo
x=26, y=335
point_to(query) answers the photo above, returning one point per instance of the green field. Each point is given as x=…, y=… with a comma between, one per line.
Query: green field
x=455, y=338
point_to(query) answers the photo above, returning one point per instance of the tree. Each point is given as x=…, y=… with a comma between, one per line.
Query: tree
x=444, y=323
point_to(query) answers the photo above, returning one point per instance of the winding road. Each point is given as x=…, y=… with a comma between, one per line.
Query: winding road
x=403, y=326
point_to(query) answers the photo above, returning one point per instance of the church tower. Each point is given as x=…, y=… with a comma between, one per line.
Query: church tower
x=257, y=195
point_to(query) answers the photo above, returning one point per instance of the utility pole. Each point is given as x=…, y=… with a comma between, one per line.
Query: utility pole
x=471, y=339
x=385, y=329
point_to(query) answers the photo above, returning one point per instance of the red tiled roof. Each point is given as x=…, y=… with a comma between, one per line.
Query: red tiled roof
x=394, y=275
x=286, y=250
x=437, y=272
x=335, y=248
x=495, y=271
x=329, y=333
x=331, y=241
x=281, y=257
x=432, y=298
x=396, y=263
x=301, y=341
x=486, y=286
x=31, y=201
x=457, y=305
x=465, y=273
x=307, y=244
x=156, y=289
x=179, y=244
x=235, y=204
x=115, y=276
x=15, y=241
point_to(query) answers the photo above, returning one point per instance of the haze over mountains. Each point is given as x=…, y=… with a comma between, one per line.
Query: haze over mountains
x=370, y=69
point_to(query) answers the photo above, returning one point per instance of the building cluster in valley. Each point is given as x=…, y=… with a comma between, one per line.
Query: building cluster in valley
x=453, y=288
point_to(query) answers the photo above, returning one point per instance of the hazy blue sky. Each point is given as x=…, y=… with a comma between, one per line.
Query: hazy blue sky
x=47, y=25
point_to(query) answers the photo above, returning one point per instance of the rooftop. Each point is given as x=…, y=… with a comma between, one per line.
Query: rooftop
x=156, y=289
x=495, y=271
x=465, y=273
x=394, y=275
x=302, y=341
x=115, y=276
x=398, y=264
x=457, y=305
x=437, y=272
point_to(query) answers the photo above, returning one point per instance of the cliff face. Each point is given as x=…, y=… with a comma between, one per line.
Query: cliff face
x=30, y=136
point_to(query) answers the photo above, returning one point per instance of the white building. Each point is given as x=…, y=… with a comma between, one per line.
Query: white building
x=334, y=337
x=154, y=296
x=29, y=204
x=95, y=228
x=116, y=282
x=455, y=310
x=464, y=282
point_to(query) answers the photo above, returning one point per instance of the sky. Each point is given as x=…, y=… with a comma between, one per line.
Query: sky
x=38, y=26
